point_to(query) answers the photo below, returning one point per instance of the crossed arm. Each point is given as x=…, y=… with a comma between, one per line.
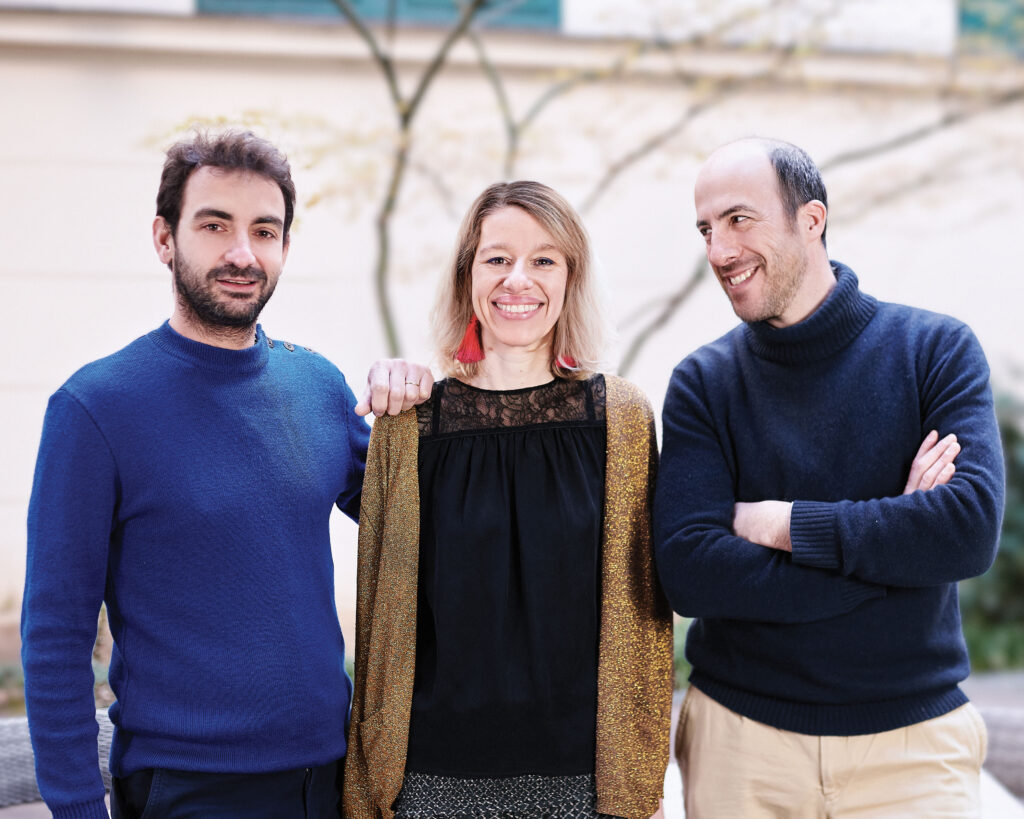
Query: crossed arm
x=782, y=562
x=767, y=523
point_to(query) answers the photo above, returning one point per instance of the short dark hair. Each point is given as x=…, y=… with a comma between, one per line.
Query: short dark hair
x=799, y=178
x=230, y=150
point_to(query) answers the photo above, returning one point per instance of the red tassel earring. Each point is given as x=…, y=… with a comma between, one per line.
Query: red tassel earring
x=566, y=362
x=470, y=351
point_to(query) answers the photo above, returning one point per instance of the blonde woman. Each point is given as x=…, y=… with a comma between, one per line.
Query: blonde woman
x=513, y=650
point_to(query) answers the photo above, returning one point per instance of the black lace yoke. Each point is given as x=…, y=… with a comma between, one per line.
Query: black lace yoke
x=511, y=502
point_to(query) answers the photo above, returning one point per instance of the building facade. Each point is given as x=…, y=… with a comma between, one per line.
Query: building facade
x=915, y=113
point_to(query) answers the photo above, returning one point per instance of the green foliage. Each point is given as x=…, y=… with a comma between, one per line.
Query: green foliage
x=682, y=668
x=992, y=605
x=992, y=26
x=12, y=690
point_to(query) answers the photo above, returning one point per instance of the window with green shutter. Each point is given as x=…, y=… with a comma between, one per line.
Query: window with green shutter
x=511, y=13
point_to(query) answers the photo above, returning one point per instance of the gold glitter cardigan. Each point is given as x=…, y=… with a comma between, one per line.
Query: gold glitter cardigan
x=634, y=680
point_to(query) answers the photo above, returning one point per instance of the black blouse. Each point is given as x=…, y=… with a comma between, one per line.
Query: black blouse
x=511, y=502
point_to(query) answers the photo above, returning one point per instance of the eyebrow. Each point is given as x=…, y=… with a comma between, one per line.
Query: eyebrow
x=503, y=246
x=215, y=213
x=728, y=212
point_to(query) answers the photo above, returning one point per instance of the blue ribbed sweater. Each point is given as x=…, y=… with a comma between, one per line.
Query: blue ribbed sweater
x=189, y=487
x=858, y=631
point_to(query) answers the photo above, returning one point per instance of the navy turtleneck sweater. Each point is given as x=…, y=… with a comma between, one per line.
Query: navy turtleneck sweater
x=189, y=487
x=858, y=630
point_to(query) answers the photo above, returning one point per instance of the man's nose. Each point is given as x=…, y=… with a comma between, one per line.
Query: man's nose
x=240, y=254
x=721, y=250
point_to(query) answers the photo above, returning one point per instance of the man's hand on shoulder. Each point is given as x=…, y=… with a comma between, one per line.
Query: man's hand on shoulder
x=394, y=385
x=765, y=523
x=933, y=464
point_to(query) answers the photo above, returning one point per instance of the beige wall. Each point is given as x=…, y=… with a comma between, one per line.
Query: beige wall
x=89, y=102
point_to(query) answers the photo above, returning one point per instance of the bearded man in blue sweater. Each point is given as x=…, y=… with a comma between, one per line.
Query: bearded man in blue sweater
x=187, y=481
x=827, y=648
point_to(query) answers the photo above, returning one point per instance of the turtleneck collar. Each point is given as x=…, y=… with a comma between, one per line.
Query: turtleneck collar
x=836, y=322
x=208, y=357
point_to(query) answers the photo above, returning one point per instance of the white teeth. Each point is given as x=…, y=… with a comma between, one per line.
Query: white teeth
x=517, y=308
x=734, y=280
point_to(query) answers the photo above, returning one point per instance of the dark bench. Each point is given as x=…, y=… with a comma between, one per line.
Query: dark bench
x=17, y=769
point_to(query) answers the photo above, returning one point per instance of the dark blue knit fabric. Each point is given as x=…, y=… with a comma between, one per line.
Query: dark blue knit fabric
x=858, y=631
x=189, y=487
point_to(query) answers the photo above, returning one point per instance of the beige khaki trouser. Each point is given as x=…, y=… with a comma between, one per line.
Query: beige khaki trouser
x=737, y=768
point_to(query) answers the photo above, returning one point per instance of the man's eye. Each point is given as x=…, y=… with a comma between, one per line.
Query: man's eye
x=739, y=218
x=212, y=227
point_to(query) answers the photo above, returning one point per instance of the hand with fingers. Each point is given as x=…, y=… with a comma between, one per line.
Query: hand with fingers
x=766, y=523
x=933, y=463
x=394, y=385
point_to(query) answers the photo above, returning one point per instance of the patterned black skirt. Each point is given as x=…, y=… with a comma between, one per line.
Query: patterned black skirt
x=425, y=796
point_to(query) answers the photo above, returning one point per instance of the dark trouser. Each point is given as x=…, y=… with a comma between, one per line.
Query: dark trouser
x=303, y=793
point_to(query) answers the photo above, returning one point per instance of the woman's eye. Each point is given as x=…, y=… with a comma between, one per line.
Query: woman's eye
x=543, y=261
x=497, y=260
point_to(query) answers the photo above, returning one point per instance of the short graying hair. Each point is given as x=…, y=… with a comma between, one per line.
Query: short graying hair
x=799, y=178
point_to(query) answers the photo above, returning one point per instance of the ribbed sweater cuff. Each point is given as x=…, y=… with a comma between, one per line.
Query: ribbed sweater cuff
x=82, y=810
x=812, y=535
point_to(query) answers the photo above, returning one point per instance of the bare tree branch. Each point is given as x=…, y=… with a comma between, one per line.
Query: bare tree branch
x=469, y=11
x=714, y=96
x=436, y=178
x=671, y=305
x=651, y=144
x=637, y=50
x=946, y=121
x=383, y=61
x=405, y=111
x=504, y=106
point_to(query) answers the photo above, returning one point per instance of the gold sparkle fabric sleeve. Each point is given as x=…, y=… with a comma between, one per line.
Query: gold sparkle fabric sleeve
x=634, y=690
x=635, y=653
x=387, y=576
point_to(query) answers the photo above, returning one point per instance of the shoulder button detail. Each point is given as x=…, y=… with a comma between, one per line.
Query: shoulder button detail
x=270, y=343
x=289, y=347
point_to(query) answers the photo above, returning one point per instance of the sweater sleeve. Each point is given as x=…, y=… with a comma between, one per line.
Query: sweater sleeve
x=358, y=439
x=71, y=510
x=705, y=569
x=926, y=538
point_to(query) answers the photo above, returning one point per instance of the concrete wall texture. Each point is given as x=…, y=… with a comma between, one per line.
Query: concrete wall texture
x=91, y=99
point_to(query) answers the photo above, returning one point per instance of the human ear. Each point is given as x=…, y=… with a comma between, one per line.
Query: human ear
x=163, y=240
x=812, y=219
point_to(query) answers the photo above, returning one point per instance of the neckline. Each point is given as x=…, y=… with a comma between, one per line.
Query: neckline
x=830, y=328
x=210, y=357
x=517, y=390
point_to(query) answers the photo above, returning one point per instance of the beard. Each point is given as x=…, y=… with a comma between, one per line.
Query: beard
x=786, y=276
x=197, y=295
x=783, y=270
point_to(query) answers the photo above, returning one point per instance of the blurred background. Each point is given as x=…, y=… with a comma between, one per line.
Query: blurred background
x=396, y=113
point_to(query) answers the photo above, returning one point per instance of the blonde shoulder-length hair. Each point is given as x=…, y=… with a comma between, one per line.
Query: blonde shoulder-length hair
x=580, y=329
